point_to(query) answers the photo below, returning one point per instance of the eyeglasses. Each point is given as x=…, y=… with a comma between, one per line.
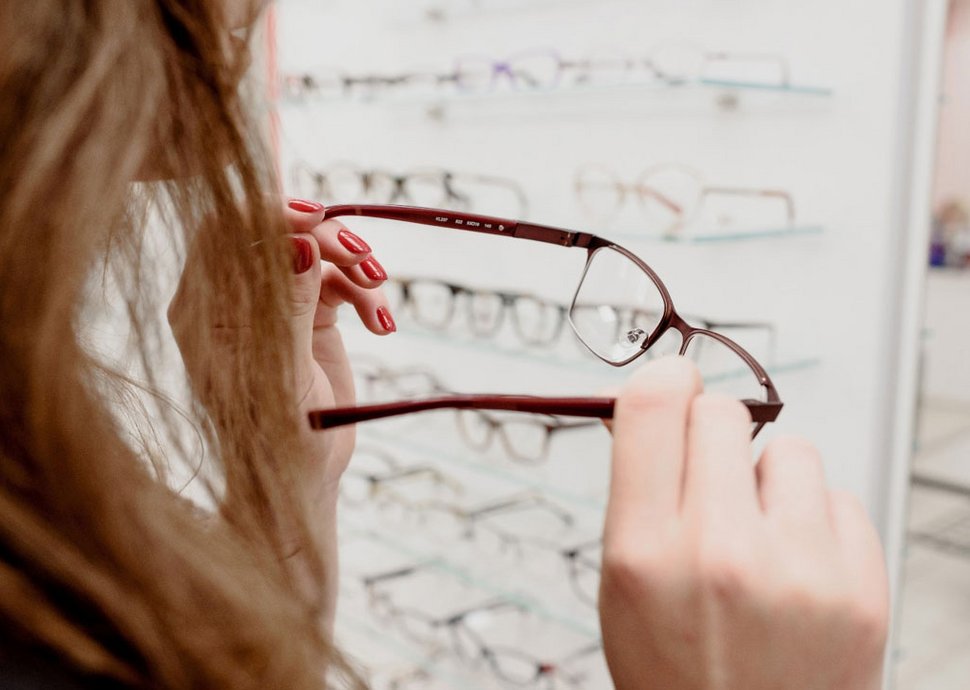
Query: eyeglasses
x=487, y=525
x=545, y=69
x=334, y=83
x=524, y=439
x=424, y=187
x=671, y=198
x=513, y=665
x=375, y=477
x=612, y=275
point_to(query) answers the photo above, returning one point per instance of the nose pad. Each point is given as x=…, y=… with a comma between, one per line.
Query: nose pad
x=635, y=336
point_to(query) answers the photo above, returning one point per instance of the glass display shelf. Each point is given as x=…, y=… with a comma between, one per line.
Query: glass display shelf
x=612, y=94
x=553, y=360
x=720, y=236
x=400, y=544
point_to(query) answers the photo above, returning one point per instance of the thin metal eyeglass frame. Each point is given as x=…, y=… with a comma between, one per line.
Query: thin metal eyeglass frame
x=762, y=412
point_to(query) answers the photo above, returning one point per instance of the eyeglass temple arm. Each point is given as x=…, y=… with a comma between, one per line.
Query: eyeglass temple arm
x=470, y=222
x=597, y=408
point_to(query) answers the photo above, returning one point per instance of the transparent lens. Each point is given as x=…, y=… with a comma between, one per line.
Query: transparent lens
x=394, y=291
x=418, y=626
x=669, y=344
x=468, y=647
x=309, y=183
x=535, y=70
x=416, y=384
x=537, y=322
x=514, y=666
x=355, y=487
x=476, y=428
x=670, y=196
x=724, y=370
x=425, y=189
x=586, y=580
x=600, y=193
x=433, y=303
x=485, y=310
x=525, y=440
x=677, y=64
x=617, y=306
x=604, y=69
x=381, y=187
x=345, y=185
x=475, y=74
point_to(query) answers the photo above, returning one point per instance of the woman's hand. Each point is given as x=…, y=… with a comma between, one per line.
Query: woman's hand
x=348, y=273
x=717, y=574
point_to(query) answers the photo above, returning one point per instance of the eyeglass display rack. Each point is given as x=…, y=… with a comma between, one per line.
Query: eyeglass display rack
x=822, y=282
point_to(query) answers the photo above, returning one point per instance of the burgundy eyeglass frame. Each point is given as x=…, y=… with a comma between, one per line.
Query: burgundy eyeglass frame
x=762, y=412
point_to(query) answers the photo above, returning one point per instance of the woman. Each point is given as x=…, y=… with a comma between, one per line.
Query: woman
x=714, y=575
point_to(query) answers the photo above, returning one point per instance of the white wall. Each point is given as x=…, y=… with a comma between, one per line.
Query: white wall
x=833, y=296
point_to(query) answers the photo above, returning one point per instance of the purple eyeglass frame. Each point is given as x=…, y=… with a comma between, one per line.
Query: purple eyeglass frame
x=762, y=412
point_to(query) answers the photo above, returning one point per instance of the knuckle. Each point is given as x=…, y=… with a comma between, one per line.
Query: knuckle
x=869, y=621
x=724, y=575
x=719, y=405
x=658, y=383
x=785, y=448
x=629, y=573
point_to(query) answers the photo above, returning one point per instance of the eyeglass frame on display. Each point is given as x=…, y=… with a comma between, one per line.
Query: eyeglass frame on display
x=456, y=623
x=496, y=425
x=642, y=191
x=448, y=179
x=762, y=413
x=376, y=483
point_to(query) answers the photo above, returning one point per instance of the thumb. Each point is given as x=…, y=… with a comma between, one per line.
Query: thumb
x=304, y=289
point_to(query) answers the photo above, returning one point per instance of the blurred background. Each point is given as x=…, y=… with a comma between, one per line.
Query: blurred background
x=790, y=170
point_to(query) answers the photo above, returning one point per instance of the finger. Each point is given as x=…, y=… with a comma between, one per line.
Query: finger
x=370, y=304
x=609, y=392
x=719, y=474
x=791, y=484
x=860, y=545
x=340, y=246
x=302, y=216
x=367, y=274
x=649, y=440
x=304, y=291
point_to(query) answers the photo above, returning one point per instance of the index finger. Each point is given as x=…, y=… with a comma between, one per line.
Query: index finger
x=649, y=444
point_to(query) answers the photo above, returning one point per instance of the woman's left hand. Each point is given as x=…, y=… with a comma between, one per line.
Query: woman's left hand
x=348, y=273
x=331, y=266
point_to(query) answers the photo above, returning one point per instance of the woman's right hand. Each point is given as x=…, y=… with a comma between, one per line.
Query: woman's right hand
x=721, y=575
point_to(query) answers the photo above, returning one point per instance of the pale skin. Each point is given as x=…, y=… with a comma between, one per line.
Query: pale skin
x=718, y=574
x=721, y=575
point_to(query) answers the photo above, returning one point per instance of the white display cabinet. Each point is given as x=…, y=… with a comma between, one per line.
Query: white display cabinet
x=801, y=133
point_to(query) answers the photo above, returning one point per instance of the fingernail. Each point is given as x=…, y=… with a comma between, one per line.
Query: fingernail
x=305, y=206
x=353, y=243
x=372, y=269
x=302, y=255
x=387, y=321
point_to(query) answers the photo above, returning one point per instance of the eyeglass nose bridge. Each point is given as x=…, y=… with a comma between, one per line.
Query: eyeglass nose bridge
x=503, y=69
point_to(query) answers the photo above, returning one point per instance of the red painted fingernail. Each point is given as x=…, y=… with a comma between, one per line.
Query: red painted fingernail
x=387, y=321
x=353, y=243
x=302, y=255
x=372, y=269
x=305, y=206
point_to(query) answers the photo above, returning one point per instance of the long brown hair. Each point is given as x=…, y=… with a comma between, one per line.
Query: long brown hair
x=101, y=562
